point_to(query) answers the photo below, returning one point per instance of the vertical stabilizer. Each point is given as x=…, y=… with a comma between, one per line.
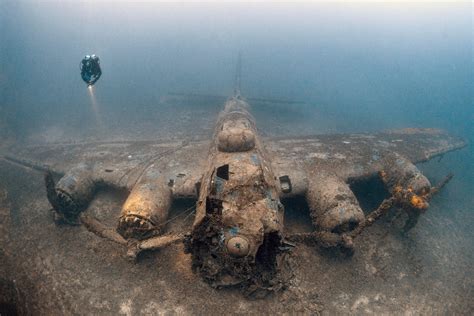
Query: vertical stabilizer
x=238, y=72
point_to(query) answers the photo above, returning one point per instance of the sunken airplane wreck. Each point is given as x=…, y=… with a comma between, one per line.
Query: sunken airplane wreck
x=238, y=180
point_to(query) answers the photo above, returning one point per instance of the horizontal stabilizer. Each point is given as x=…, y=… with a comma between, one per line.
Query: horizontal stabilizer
x=203, y=97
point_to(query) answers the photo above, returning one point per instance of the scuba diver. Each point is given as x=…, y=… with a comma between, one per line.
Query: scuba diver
x=90, y=69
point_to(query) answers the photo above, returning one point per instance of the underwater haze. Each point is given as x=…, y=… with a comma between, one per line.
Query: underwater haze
x=352, y=67
x=373, y=64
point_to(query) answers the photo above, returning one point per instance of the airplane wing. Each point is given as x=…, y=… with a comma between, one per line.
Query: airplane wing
x=352, y=156
x=119, y=164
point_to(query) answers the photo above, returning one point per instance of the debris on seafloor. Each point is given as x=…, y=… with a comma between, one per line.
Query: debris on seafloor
x=238, y=181
x=4, y=216
x=10, y=300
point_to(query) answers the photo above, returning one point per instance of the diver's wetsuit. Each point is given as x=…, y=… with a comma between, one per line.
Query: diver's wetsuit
x=90, y=70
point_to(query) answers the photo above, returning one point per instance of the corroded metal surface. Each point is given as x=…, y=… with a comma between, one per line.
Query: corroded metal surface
x=238, y=181
x=238, y=237
x=63, y=270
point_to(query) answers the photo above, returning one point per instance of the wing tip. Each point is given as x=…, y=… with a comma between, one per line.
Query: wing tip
x=455, y=144
x=450, y=142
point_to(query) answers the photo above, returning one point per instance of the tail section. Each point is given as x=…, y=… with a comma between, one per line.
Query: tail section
x=206, y=98
x=238, y=72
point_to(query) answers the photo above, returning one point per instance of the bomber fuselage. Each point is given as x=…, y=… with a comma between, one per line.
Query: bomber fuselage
x=239, y=215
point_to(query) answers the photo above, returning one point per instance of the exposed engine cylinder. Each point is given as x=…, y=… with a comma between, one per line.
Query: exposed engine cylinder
x=146, y=209
x=401, y=172
x=333, y=206
x=74, y=191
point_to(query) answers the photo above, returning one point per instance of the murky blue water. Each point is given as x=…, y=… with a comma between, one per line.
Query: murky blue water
x=369, y=66
x=376, y=64
x=365, y=66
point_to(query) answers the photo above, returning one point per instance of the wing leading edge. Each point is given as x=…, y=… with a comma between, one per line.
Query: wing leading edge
x=118, y=164
x=354, y=156
x=320, y=168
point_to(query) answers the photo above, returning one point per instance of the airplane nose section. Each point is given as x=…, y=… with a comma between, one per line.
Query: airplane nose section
x=238, y=246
